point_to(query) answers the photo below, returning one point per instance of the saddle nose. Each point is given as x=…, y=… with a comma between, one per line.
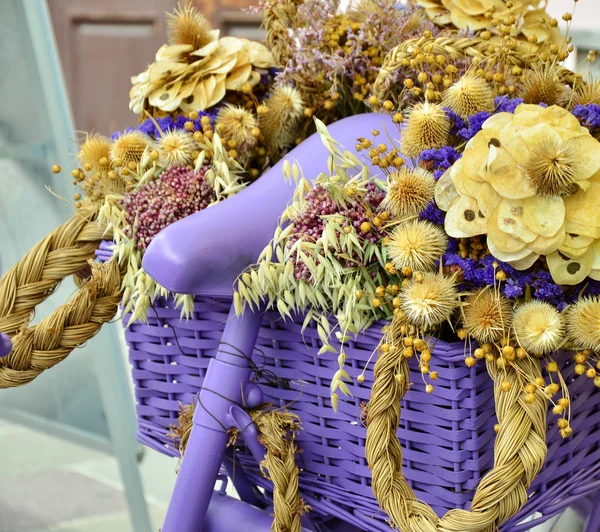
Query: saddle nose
x=204, y=253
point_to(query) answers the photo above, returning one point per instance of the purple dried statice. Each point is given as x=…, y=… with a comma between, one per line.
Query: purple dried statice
x=178, y=192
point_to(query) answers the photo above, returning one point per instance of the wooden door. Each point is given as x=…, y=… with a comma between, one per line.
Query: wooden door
x=102, y=43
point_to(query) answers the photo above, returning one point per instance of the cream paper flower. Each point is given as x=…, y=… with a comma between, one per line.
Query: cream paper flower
x=531, y=183
x=194, y=80
x=470, y=14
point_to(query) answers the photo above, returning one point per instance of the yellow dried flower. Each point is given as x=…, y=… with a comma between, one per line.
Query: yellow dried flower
x=409, y=191
x=237, y=124
x=487, y=315
x=586, y=93
x=427, y=127
x=175, y=148
x=129, y=147
x=538, y=327
x=468, y=96
x=92, y=151
x=416, y=244
x=188, y=26
x=280, y=125
x=527, y=182
x=430, y=301
x=583, y=323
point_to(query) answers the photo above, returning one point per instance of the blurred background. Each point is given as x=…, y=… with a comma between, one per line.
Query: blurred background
x=68, y=456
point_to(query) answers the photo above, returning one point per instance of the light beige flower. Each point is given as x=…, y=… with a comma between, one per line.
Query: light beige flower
x=194, y=80
x=531, y=183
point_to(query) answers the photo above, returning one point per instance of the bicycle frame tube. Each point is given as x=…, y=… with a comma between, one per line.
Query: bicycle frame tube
x=226, y=384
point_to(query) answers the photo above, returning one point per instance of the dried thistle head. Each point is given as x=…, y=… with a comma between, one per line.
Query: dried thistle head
x=542, y=84
x=487, y=315
x=187, y=26
x=552, y=167
x=93, y=153
x=538, y=327
x=239, y=125
x=409, y=191
x=586, y=92
x=427, y=127
x=583, y=323
x=128, y=148
x=428, y=300
x=279, y=124
x=470, y=95
x=416, y=244
x=175, y=148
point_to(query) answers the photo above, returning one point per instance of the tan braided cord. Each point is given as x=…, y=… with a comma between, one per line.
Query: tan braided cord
x=519, y=451
x=277, y=431
x=449, y=47
x=66, y=251
x=277, y=18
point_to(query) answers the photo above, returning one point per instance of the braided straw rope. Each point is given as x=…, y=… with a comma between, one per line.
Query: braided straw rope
x=519, y=452
x=277, y=431
x=65, y=251
x=277, y=18
x=452, y=47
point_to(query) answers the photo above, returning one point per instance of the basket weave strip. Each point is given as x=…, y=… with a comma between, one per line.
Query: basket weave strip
x=63, y=252
x=40, y=347
x=519, y=451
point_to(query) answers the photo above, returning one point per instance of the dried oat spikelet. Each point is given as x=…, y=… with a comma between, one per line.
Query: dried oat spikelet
x=468, y=96
x=93, y=153
x=279, y=125
x=552, y=167
x=542, y=84
x=487, y=315
x=237, y=124
x=428, y=301
x=129, y=148
x=416, y=244
x=427, y=127
x=538, y=327
x=583, y=323
x=175, y=148
x=409, y=191
x=187, y=26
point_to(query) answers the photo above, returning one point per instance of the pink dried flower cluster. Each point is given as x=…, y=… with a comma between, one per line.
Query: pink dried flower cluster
x=310, y=222
x=175, y=194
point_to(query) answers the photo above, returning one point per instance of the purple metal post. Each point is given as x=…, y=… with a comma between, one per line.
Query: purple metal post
x=226, y=384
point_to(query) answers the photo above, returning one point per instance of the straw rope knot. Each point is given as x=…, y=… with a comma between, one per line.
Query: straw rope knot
x=68, y=250
x=519, y=451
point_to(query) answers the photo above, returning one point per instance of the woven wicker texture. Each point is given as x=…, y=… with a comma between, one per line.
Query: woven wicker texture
x=447, y=437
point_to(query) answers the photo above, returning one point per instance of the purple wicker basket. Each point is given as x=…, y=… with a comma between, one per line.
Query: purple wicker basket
x=447, y=437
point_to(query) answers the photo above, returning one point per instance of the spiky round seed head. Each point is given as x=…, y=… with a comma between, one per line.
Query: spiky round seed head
x=175, y=148
x=551, y=167
x=470, y=95
x=188, y=26
x=538, y=327
x=586, y=93
x=280, y=117
x=487, y=315
x=583, y=323
x=409, y=191
x=427, y=127
x=416, y=244
x=237, y=124
x=128, y=148
x=429, y=302
x=542, y=85
x=93, y=149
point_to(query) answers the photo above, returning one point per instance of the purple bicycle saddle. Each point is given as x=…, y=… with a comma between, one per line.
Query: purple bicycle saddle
x=204, y=253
